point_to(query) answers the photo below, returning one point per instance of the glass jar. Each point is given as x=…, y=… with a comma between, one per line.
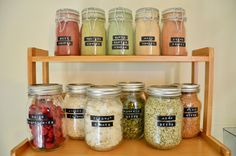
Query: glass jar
x=103, y=117
x=45, y=116
x=192, y=110
x=93, y=32
x=163, y=117
x=74, y=108
x=133, y=100
x=173, y=32
x=120, y=32
x=147, y=33
x=67, y=32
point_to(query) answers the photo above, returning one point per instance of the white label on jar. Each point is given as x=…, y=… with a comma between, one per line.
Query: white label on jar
x=166, y=121
x=190, y=112
x=64, y=41
x=120, y=42
x=148, y=41
x=102, y=121
x=177, y=42
x=93, y=41
x=132, y=113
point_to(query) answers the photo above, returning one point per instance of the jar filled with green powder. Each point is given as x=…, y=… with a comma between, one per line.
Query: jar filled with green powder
x=133, y=99
x=163, y=117
x=93, y=41
x=120, y=32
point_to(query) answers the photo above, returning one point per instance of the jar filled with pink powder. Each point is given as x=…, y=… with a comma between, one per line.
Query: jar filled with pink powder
x=173, y=32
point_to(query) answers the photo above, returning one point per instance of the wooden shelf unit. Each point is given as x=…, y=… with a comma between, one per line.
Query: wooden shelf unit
x=204, y=144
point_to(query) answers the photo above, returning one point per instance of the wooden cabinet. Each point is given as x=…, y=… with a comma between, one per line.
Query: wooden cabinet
x=202, y=145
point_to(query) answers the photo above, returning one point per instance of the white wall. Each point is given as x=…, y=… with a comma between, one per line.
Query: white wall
x=28, y=23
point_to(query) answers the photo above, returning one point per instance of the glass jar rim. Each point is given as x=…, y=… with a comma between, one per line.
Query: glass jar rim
x=78, y=88
x=66, y=14
x=190, y=88
x=103, y=90
x=175, y=14
x=164, y=90
x=131, y=86
x=118, y=14
x=45, y=89
x=147, y=13
x=93, y=13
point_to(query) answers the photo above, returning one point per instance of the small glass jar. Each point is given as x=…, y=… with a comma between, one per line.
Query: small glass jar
x=67, y=32
x=45, y=116
x=173, y=32
x=120, y=32
x=147, y=33
x=103, y=118
x=192, y=110
x=93, y=32
x=74, y=108
x=133, y=100
x=163, y=117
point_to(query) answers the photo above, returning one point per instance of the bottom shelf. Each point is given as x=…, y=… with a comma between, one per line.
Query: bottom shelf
x=199, y=146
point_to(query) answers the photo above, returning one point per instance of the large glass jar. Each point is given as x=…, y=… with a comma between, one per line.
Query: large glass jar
x=45, y=116
x=192, y=110
x=147, y=32
x=93, y=32
x=103, y=118
x=67, y=32
x=173, y=32
x=120, y=32
x=163, y=117
x=133, y=100
x=74, y=108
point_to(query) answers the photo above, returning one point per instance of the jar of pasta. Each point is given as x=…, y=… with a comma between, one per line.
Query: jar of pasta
x=133, y=100
x=74, y=108
x=147, y=33
x=45, y=117
x=103, y=118
x=192, y=109
x=120, y=32
x=173, y=32
x=163, y=117
x=93, y=32
x=67, y=32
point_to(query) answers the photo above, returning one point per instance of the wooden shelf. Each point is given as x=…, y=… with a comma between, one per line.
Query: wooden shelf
x=198, y=146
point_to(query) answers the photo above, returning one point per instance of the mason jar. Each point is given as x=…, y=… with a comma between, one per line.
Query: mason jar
x=93, y=32
x=133, y=99
x=74, y=108
x=103, y=118
x=163, y=117
x=120, y=32
x=192, y=110
x=46, y=126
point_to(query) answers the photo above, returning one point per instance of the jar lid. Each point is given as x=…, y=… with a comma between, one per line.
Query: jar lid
x=190, y=87
x=100, y=90
x=45, y=89
x=120, y=14
x=147, y=13
x=174, y=14
x=93, y=13
x=78, y=88
x=67, y=14
x=164, y=90
x=131, y=86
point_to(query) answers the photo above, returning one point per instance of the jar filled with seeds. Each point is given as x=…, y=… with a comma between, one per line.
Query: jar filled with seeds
x=103, y=118
x=163, y=117
x=133, y=100
x=74, y=108
x=192, y=108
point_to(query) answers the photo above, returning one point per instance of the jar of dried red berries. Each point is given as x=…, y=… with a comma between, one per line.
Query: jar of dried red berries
x=45, y=116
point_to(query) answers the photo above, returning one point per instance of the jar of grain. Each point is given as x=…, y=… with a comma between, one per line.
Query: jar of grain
x=74, y=108
x=93, y=32
x=67, y=32
x=163, y=117
x=173, y=32
x=103, y=118
x=45, y=116
x=133, y=100
x=192, y=109
x=120, y=32
x=147, y=33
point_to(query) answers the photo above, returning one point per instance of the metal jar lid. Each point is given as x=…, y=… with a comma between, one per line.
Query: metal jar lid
x=45, y=89
x=103, y=90
x=164, y=90
x=120, y=14
x=66, y=14
x=190, y=88
x=93, y=13
x=177, y=14
x=77, y=88
x=147, y=13
x=131, y=86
